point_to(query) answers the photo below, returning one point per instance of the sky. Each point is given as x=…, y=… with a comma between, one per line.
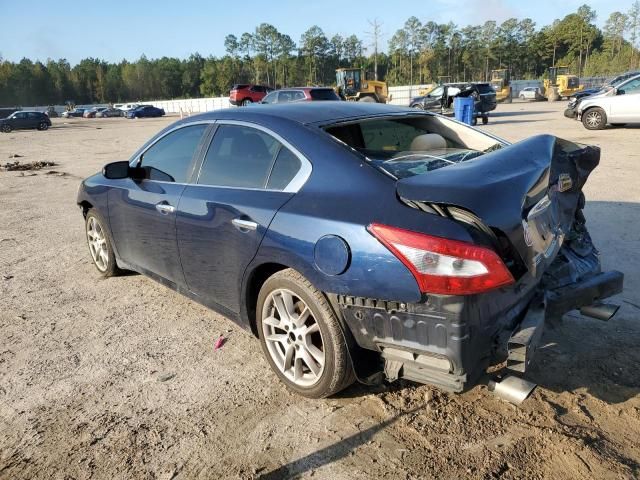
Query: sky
x=113, y=30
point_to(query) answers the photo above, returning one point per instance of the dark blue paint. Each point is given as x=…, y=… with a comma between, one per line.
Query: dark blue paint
x=200, y=252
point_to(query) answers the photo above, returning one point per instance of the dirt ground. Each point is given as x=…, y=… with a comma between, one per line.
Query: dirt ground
x=119, y=379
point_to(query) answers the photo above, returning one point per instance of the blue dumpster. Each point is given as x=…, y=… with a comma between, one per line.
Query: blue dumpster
x=463, y=109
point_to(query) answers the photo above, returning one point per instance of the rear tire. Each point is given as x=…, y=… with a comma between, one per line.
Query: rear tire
x=594, y=119
x=367, y=99
x=301, y=336
x=43, y=126
x=100, y=245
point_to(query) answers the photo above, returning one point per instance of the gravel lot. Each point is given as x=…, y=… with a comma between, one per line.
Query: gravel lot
x=118, y=378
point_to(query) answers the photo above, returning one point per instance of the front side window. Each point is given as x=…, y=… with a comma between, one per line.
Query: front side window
x=20, y=115
x=631, y=88
x=271, y=98
x=245, y=157
x=170, y=157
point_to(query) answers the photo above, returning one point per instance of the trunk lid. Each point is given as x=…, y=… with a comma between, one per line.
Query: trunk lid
x=530, y=192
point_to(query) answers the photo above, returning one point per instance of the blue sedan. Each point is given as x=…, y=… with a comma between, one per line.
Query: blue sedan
x=357, y=241
x=145, y=111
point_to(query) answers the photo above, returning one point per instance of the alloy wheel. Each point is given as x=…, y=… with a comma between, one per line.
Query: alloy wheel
x=293, y=338
x=97, y=244
x=593, y=119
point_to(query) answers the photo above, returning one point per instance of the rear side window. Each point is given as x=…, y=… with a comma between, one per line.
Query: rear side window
x=485, y=88
x=286, y=166
x=245, y=157
x=170, y=157
x=324, y=94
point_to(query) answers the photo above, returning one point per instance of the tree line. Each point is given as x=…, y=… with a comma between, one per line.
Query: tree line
x=418, y=53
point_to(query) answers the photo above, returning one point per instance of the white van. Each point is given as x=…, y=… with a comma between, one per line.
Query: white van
x=128, y=106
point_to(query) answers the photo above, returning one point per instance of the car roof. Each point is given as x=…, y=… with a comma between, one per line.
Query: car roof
x=307, y=113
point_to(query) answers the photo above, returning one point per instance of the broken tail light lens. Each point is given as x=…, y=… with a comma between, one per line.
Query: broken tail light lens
x=444, y=266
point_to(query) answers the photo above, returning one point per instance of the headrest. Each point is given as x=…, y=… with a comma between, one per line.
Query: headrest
x=428, y=141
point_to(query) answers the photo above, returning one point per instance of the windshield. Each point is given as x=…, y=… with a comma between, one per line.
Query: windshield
x=404, y=147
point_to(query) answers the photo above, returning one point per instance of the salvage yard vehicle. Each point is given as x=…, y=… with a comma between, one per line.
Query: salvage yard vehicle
x=531, y=93
x=246, y=94
x=440, y=99
x=93, y=112
x=301, y=94
x=24, y=120
x=76, y=112
x=358, y=240
x=617, y=106
x=110, y=112
x=144, y=111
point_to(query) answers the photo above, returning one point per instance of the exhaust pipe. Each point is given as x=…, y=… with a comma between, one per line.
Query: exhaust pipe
x=600, y=311
x=512, y=389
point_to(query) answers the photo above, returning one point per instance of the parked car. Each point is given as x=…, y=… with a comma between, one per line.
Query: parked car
x=145, y=111
x=618, y=79
x=440, y=99
x=279, y=218
x=301, y=94
x=572, y=108
x=92, y=113
x=531, y=93
x=76, y=112
x=617, y=107
x=23, y=120
x=246, y=94
x=110, y=112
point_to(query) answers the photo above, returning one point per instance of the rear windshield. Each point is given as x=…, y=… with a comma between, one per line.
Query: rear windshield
x=404, y=147
x=239, y=86
x=324, y=94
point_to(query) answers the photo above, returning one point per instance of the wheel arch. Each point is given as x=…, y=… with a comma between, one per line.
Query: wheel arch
x=252, y=285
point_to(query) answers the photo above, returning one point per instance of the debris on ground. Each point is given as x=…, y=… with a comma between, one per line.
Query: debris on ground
x=165, y=377
x=7, y=277
x=17, y=166
x=219, y=343
x=56, y=173
x=15, y=155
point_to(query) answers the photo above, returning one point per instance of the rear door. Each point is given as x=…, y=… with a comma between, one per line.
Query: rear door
x=247, y=174
x=142, y=213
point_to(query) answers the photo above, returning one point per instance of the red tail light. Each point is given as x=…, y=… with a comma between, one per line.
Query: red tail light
x=444, y=266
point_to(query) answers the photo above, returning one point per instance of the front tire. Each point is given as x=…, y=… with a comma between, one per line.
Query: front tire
x=6, y=128
x=521, y=97
x=100, y=245
x=246, y=102
x=301, y=336
x=594, y=119
x=367, y=99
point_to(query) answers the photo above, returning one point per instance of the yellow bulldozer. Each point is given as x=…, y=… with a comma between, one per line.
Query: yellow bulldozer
x=501, y=83
x=352, y=84
x=560, y=84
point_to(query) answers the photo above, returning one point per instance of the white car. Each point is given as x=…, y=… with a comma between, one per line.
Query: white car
x=618, y=106
x=530, y=93
x=127, y=106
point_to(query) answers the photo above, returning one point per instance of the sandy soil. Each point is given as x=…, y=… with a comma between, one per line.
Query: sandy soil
x=118, y=378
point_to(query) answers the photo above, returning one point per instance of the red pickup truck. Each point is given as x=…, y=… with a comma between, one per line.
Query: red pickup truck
x=245, y=94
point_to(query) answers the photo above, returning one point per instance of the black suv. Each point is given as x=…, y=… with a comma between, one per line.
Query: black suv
x=440, y=99
x=24, y=120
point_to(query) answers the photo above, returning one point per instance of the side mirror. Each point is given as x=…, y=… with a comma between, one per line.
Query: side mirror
x=116, y=170
x=618, y=91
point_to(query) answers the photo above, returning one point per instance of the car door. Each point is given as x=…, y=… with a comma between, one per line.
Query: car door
x=433, y=100
x=20, y=120
x=142, y=211
x=624, y=107
x=247, y=174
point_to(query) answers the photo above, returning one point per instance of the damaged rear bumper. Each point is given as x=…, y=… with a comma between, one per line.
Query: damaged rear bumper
x=435, y=342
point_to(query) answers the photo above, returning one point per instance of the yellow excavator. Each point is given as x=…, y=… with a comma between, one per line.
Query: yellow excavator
x=352, y=84
x=501, y=83
x=560, y=84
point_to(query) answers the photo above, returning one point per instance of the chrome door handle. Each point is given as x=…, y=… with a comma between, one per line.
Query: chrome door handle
x=165, y=208
x=244, y=224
